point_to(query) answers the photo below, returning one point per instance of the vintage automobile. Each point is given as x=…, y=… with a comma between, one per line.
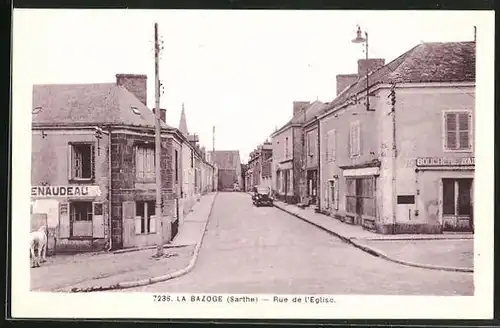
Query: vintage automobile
x=262, y=196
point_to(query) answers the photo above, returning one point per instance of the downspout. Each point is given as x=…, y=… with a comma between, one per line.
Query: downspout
x=394, y=157
x=109, y=192
x=293, y=168
x=318, y=179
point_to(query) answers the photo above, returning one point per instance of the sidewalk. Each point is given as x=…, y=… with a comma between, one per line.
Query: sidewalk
x=450, y=252
x=126, y=268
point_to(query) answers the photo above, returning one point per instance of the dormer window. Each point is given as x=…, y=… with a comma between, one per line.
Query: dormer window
x=135, y=110
x=36, y=110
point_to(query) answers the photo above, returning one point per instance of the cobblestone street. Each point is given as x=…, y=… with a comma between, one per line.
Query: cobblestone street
x=265, y=250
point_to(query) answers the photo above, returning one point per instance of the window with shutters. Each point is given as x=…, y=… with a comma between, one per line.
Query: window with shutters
x=145, y=162
x=331, y=145
x=457, y=130
x=81, y=161
x=355, y=139
x=144, y=213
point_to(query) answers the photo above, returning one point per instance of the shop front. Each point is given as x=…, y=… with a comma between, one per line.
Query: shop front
x=76, y=216
x=446, y=192
x=360, y=196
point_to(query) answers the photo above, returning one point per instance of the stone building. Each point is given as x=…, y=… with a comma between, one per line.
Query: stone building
x=93, y=167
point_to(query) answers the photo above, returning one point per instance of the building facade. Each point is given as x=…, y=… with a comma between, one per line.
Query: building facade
x=93, y=165
x=259, y=166
x=228, y=165
x=406, y=165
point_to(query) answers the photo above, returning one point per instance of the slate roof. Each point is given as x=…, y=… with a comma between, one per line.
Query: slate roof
x=426, y=62
x=99, y=103
x=226, y=159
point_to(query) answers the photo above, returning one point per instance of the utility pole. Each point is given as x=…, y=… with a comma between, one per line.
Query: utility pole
x=159, y=201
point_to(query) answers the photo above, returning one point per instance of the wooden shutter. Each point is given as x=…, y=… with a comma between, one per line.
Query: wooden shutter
x=464, y=130
x=70, y=162
x=358, y=138
x=64, y=220
x=451, y=141
x=98, y=220
x=138, y=225
x=92, y=162
x=351, y=140
x=128, y=216
x=333, y=145
x=152, y=224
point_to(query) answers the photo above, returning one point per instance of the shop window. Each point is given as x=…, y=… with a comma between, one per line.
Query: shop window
x=81, y=219
x=145, y=163
x=458, y=130
x=360, y=196
x=457, y=198
x=82, y=161
x=144, y=217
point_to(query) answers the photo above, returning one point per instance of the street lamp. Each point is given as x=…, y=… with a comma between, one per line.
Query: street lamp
x=360, y=39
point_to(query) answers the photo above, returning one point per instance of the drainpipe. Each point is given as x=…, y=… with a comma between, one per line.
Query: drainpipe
x=109, y=192
x=293, y=168
x=394, y=157
x=318, y=179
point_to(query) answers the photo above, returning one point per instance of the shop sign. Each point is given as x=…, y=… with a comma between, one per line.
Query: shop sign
x=65, y=191
x=445, y=161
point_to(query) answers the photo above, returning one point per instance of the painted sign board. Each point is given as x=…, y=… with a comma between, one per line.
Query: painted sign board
x=443, y=161
x=65, y=191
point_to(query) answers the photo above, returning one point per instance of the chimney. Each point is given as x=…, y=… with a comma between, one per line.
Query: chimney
x=369, y=65
x=135, y=84
x=299, y=105
x=163, y=114
x=345, y=80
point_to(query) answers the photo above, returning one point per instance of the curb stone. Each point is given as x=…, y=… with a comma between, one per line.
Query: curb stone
x=375, y=252
x=152, y=280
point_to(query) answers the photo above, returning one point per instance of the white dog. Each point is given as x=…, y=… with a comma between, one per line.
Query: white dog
x=39, y=239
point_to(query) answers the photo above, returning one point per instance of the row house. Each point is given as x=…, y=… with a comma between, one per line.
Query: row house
x=93, y=165
x=197, y=173
x=404, y=162
x=293, y=151
x=259, y=166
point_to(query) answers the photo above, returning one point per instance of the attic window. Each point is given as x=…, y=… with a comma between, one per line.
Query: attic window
x=36, y=110
x=135, y=109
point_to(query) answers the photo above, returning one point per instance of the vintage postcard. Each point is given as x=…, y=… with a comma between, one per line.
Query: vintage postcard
x=252, y=164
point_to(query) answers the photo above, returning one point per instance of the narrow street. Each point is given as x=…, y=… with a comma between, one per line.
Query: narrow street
x=264, y=250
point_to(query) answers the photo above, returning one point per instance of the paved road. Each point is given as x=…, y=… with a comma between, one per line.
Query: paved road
x=264, y=250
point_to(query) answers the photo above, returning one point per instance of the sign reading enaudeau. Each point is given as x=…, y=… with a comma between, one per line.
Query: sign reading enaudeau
x=65, y=191
x=445, y=161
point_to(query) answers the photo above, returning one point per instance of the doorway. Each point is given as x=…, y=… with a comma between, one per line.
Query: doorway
x=457, y=205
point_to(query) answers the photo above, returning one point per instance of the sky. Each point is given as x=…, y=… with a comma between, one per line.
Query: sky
x=239, y=71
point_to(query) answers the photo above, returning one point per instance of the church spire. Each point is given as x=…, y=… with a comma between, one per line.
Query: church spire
x=182, y=123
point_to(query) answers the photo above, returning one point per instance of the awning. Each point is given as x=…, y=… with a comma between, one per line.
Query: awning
x=366, y=171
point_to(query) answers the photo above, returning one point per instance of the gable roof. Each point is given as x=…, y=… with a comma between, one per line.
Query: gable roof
x=426, y=62
x=98, y=103
x=225, y=159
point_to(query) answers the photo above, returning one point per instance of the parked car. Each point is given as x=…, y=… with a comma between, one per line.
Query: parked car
x=262, y=196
